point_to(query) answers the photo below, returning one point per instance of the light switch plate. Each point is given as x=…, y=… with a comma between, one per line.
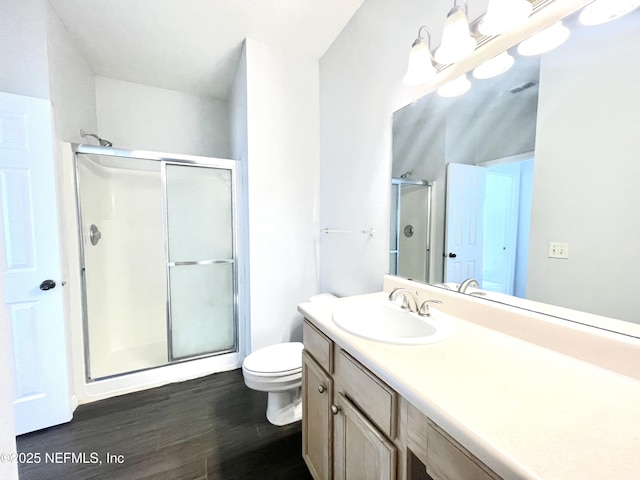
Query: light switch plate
x=558, y=250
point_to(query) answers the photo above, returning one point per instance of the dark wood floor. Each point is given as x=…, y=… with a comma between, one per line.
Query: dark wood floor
x=208, y=428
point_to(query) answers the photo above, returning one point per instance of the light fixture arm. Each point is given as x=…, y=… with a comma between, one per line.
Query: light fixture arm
x=421, y=38
x=423, y=27
x=464, y=6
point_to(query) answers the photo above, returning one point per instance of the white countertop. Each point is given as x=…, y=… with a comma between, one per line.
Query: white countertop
x=524, y=410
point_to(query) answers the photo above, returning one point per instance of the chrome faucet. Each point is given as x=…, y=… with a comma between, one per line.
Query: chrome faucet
x=469, y=282
x=408, y=299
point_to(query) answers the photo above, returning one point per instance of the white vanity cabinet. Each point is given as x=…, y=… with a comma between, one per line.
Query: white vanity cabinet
x=341, y=401
x=354, y=426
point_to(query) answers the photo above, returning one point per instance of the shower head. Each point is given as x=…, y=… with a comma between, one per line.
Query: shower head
x=102, y=141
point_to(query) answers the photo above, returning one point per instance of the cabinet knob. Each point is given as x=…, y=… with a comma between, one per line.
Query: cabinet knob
x=321, y=388
x=335, y=409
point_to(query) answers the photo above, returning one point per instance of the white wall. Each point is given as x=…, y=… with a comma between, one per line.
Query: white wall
x=23, y=55
x=73, y=92
x=586, y=174
x=360, y=87
x=142, y=117
x=283, y=171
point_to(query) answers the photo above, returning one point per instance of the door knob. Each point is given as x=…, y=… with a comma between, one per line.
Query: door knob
x=335, y=409
x=321, y=388
x=47, y=285
x=452, y=255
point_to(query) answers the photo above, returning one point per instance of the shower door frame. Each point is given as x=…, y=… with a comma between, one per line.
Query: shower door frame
x=164, y=159
x=220, y=164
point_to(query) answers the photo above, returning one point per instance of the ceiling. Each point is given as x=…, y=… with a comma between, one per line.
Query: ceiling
x=194, y=45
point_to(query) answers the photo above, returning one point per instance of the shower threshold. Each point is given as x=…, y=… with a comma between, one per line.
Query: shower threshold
x=131, y=359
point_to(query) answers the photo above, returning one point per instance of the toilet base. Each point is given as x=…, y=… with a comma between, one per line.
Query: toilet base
x=285, y=407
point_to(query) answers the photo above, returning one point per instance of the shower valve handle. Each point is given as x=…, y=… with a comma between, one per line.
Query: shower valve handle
x=47, y=285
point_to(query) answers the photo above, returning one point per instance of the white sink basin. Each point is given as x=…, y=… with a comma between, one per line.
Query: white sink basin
x=386, y=322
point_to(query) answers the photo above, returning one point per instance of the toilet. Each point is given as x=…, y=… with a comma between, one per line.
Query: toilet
x=277, y=370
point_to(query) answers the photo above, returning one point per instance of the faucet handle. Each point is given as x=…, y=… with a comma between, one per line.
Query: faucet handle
x=423, y=311
x=478, y=294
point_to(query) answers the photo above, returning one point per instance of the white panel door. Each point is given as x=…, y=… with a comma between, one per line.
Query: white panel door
x=501, y=227
x=464, y=222
x=32, y=257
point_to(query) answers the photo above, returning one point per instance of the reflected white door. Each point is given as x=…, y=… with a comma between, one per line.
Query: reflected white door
x=501, y=227
x=31, y=260
x=464, y=222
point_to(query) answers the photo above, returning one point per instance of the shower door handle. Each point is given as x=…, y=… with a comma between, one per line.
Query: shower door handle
x=47, y=285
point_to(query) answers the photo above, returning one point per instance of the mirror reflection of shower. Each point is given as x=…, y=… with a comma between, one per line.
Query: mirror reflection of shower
x=103, y=142
x=410, y=245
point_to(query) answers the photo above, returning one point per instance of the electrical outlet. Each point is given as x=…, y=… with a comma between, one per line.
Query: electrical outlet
x=558, y=250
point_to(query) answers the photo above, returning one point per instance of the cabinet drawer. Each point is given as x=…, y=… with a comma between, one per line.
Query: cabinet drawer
x=372, y=396
x=318, y=345
x=448, y=460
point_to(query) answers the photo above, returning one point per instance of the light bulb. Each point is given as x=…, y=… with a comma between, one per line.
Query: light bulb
x=602, y=11
x=494, y=66
x=455, y=87
x=457, y=41
x=545, y=40
x=503, y=15
x=420, y=69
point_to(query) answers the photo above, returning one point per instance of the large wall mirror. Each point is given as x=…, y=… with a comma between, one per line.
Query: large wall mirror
x=555, y=141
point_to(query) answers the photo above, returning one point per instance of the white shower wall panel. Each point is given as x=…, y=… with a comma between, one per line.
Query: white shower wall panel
x=413, y=248
x=94, y=187
x=125, y=272
x=135, y=260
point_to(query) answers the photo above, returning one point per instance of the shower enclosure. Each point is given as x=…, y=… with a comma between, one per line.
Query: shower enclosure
x=410, y=247
x=158, y=258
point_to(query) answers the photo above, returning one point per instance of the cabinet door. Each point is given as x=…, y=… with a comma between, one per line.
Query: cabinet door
x=448, y=460
x=317, y=429
x=361, y=451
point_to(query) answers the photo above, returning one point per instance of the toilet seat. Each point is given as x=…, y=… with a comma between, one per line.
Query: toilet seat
x=278, y=360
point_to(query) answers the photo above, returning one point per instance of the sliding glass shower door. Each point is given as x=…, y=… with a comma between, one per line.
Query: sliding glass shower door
x=200, y=260
x=158, y=258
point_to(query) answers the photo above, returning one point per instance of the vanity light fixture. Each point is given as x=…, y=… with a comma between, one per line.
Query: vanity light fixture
x=602, y=11
x=545, y=40
x=503, y=15
x=457, y=41
x=494, y=66
x=420, y=69
x=455, y=87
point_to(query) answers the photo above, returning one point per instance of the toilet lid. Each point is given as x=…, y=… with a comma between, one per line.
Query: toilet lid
x=279, y=358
